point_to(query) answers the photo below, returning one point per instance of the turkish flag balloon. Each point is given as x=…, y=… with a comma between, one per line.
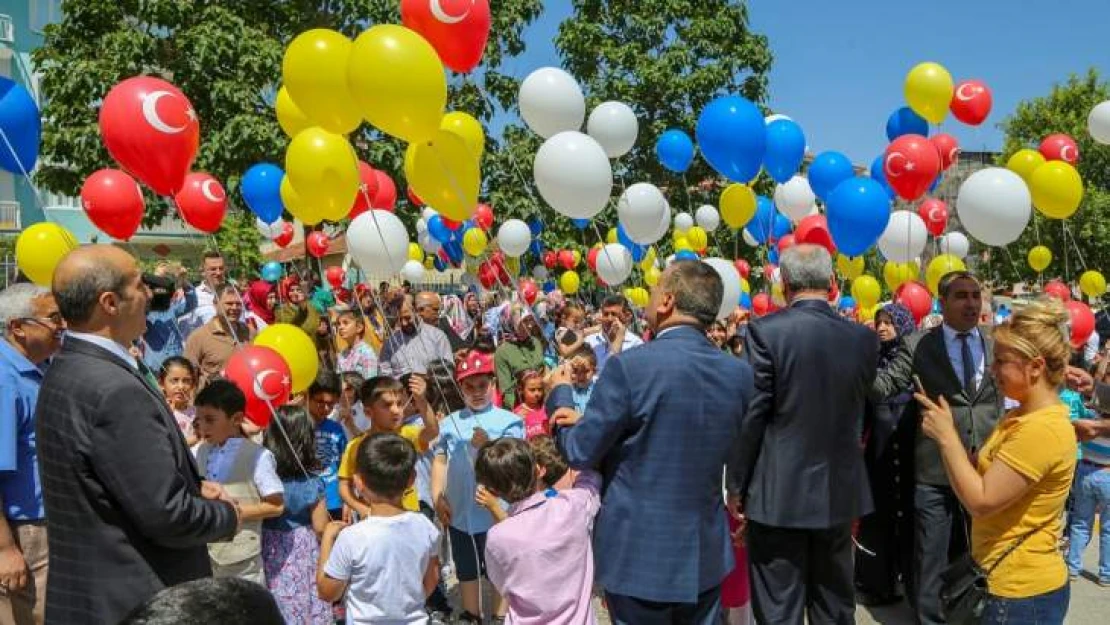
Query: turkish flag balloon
x=786, y=242
x=367, y=189
x=814, y=230
x=264, y=377
x=567, y=259
x=550, y=259
x=1060, y=147
x=317, y=243
x=947, y=148
x=935, y=215
x=457, y=29
x=385, y=197
x=744, y=268
x=911, y=164
x=335, y=276
x=483, y=216
x=114, y=203
x=916, y=297
x=971, y=102
x=151, y=129
x=202, y=202
x=286, y=236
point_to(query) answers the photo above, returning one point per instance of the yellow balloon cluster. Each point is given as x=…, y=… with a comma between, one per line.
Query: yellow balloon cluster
x=867, y=313
x=849, y=267
x=649, y=259
x=638, y=296
x=939, y=267
x=651, y=276
x=468, y=129
x=697, y=238
x=40, y=248
x=1024, y=163
x=475, y=241
x=737, y=205
x=928, y=91
x=1057, y=189
x=1092, y=283
x=416, y=252
x=745, y=286
x=314, y=70
x=866, y=291
x=290, y=116
x=611, y=236
x=444, y=172
x=322, y=169
x=1040, y=258
x=568, y=282
x=897, y=274
x=682, y=243
x=296, y=348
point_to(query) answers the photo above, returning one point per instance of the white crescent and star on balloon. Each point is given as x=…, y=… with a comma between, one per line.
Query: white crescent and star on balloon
x=442, y=16
x=889, y=165
x=150, y=113
x=209, y=194
x=260, y=385
x=1064, y=153
x=962, y=96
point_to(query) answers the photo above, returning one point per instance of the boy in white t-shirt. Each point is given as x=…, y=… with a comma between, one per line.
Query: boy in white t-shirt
x=387, y=562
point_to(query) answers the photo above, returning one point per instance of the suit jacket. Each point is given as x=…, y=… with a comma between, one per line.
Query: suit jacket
x=121, y=490
x=659, y=425
x=975, y=413
x=798, y=462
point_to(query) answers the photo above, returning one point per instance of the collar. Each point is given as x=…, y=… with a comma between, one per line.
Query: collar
x=952, y=334
x=810, y=302
x=117, y=350
x=20, y=362
x=534, y=501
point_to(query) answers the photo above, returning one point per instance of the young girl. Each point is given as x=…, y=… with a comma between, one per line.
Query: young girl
x=358, y=356
x=289, y=542
x=529, y=389
x=178, y=379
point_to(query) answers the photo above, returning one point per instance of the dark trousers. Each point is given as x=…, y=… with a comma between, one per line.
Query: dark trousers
x=625, y=610
x=797, y=573
x=940, y=536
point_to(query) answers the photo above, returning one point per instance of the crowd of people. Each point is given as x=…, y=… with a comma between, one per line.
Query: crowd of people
x=552, y=457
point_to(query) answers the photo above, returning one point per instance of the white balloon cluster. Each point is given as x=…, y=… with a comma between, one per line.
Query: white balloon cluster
x=379, y=242
x=1098, y=123
x=640, y=209
x=954, y=243
x=614, y=264
x=730, y=278
x=795, y=199
x=614, y=126
x=551, y=102
x=707, y=217
x=573, y=174
x=904, y=238
x=270, y=231
x=513, y=237
x=994, y=205
x=683, y=222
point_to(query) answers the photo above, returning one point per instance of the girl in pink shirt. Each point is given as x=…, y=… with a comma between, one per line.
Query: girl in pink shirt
x=529, y=388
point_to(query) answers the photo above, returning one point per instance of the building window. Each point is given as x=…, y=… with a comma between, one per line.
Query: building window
x=43, y=12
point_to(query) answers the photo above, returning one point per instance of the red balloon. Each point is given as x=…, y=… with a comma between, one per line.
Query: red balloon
x=151, y=129
x=451, y=224
x=911, y=164
x=786, y=242
x=263, y=376
x=385, y=198
x=761, y=304
x=769, y=271
x=317, y=243
x=834, y=293
x=1082, y=323
x=591, y=258
x=935, y=215
x=487, y=275
x=335, y=276
x=947, y=148
x=367, y=189
x=286, y=236
x=915, y=297
x=114, y=203
x=1059, y=290
x=529, y=291
x=202, y=202
x=971, y=102
x=566, y=259
x=414, y=199
x=814, y=230
x=550, y=259
x=483, y=216
x=744, y=268
x=1060, y=147
x=457, y=29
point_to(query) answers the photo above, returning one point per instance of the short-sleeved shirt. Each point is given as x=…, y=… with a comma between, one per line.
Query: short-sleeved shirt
x=411, y=433
x=331, y=442
x=383, y=561
x=359, y=358
x=455, y=434
x=301, y=496
x=600, y=344
x=20, y=483
x=221, y=461
x=1041, y=447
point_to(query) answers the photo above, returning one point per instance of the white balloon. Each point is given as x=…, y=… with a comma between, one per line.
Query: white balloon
x=954, y=243
x=670, y=259
x=614, y=264
x=663, y=226
x=794, y=198
x=904, y=238
x=428, y=213
x=573, y=175
x=513, y=237
x=614, y=126
x=427, y=242
x=640, y=208
x=421, y=225
x=270, y=231
x=730, y=278
x=540, y=273
x=378, y=242
x=413, y=271
x=749, y=239
x=683, y=222
x=1098, y=123
x=994, y=205
x=551, y=102
x=707, y=217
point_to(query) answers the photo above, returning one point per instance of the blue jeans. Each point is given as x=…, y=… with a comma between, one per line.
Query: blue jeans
x=1092, y=494
x=1047, y=609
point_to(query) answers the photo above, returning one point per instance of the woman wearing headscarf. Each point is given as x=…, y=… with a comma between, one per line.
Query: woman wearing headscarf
x=886, y=535
x=454, y=309
x=376, y=329
x=261, y=300
x=295, y=307
x=521, y=349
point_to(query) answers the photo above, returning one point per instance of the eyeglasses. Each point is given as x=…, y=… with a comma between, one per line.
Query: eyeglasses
x=50, y=322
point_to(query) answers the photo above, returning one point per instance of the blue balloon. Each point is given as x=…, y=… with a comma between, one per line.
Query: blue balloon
x=536, y=247
x=685, y=255
x=454, y=252
x=22, y=125
x=732, y=137
x=466, y=225
x=745, y=301
x=548, y=286
x=580, y=223
x=782, y=226
x=786, y=147
x=936, y=183
x=438, y=230
x=272, y=271
x=773, y=256
x=675, y=151
x=827, y=170
x=762, y=225
x=878, y=173
x=439, y=264
x=638, y=251
x=905, y=122
x=535, y=224
x=858, y=211
x=847, y=302
x=261, y=189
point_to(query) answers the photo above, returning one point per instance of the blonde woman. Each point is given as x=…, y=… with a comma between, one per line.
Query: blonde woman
x=1016, y=488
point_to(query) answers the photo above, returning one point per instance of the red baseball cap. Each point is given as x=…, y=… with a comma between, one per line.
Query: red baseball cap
x=475, y=363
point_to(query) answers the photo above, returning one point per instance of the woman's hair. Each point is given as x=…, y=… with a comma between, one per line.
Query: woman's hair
x=300, y=448
x=177, y=361
x=547, y=456
x=1039, y=329
x=506, y=466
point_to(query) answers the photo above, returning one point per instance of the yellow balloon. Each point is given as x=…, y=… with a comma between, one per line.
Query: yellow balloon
x=398, y=82
x=651, y=276
x=296, y=206
x=577, y=257
x=296, y=348
x=611, y=236
x=314, y=70
x=1092, y=283
x=468, y=129
x=849, y=267
x=1040, y=258
x=429, y=262
x=323, y=168
x=777, y=296
x=737, y=205
x=698, y=238
x=928, y=91
x=39, y=249
x=1025, y=162
x=681, y=243
x=475, y=241
x=1057, y=189
x=445, y=174
x=290, y=117
x=938, y=267
x=512, y=265
x=568, y=282
x=745, y=286
x=867, y=313
x=649, y=259
x=416, y=252
x=897, y=274
x=866, y=291
x=638, y=296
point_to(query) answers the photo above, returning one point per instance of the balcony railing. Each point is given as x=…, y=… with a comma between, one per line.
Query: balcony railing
x=7, y=29
x=9, y=215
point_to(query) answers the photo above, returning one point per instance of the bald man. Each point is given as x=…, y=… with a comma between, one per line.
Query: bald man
x=128, y=512
x=429, y=306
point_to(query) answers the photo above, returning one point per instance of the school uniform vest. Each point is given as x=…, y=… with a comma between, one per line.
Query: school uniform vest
x=247, y=543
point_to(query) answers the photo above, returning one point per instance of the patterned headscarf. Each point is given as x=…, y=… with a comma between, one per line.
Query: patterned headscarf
x=455, y=311
x=513, y=317
x=901, y=318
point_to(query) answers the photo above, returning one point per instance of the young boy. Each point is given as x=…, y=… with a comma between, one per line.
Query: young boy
x=331, y=440
x=247, y=472
x=453, y=483
x=539, y=557
x=386, y=562
x=583, y=367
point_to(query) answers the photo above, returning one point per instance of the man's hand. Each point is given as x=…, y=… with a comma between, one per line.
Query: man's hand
x=479, y=438
x=1087, y=429
x=566, y=417
x=559, y=375
x=418, y=388
x=213, y=491
x=617, y=330
x=1080, y=380
x=13, y=569
x=443, y=510
x=736, y=509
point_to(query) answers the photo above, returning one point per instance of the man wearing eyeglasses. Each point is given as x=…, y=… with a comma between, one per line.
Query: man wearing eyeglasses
x=32, y=334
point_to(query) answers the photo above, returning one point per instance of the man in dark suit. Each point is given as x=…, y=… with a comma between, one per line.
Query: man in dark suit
x=127, y=510
x=797, y=479
x=659, y=425
x=952, y=360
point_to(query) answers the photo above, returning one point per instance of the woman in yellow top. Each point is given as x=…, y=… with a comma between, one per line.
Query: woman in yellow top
x=1019, y=483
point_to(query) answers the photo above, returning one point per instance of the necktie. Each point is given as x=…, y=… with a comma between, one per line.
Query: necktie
x=968, y=361
x=147, y=375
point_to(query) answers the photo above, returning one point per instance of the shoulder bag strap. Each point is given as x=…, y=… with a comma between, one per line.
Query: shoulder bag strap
x=1017, y=543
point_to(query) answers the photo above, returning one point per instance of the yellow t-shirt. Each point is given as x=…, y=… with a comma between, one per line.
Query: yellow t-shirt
x=411, y=433
x=1041, y=447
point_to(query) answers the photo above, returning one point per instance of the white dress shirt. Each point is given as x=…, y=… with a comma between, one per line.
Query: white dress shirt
x=600, y=344
x=954, y=347
x=221, y=461
x=115, y=348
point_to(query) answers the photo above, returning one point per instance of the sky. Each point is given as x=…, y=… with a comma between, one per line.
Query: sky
x=840, y=64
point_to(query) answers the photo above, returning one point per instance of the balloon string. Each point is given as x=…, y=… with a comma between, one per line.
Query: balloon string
x=1075, y=244
x=1064, y=235
x=26, y=175
x=1013, y=265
